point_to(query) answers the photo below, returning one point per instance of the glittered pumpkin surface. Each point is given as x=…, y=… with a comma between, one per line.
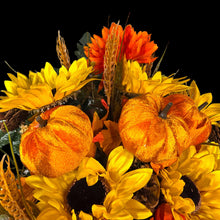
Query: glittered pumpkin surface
x=58, y=146
x=197, y=121
x=147, y=135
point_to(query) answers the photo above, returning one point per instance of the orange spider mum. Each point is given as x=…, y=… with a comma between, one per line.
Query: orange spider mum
x=134, y=46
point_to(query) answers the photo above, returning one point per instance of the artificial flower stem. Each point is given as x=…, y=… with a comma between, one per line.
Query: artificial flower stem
x=164, y=112
x=41, y=121
x=202, y=106
x=18, y=175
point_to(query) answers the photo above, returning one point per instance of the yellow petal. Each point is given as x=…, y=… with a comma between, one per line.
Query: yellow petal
x=63, y=71
x=13, y=78
x=52, y=213
x=85, y=216
x=74, y=217
x=209, y=181
x=11, y=87
x=98, y=211
x=133, y=181
x=36, y=78
x=91, y=169
x=22, y=81
x=72, y=86
x=184, y=205
x=211, y=198
x=157, y=76
x=50, y=75
x=92, y=179
x=172, y=180
x=194, y=92
x=119, y=161
x=213, y=111
x=137, y=209
x=207, y=97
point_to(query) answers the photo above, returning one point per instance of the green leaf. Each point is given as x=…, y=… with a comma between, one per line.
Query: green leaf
x=84, y=40
x=15, y=136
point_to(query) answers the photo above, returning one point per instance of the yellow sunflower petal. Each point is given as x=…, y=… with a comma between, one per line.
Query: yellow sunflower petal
x=13, y=78
x=133, y=181
x=137, y=209
x=207, y=97
x=213, y=112
x=62, y=78
x=90, y=168
x=11, y=87
x=22, y=81
x=172, y=180
x=74, y=217
x=209, y=181
x=196, y=167
x=211, y=198
x=85, y=216
x=194, y=92
x=28, y=99
x=206, y=212
x=36, y=78
x=185, y=205
x=50, y=75
x=71, y=86
x=119, y=161
x=157, y=76
x=184, y=158
x=98, y=211
x=52, y=213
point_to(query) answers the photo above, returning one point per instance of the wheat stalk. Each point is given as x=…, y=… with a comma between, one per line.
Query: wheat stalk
x=62, y=52
x=110, y=61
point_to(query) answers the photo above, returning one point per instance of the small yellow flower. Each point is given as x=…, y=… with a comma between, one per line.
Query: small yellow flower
x=45, y=87
x=212, y=110
x=135, y=80
x=191, y=186
x=58, y=197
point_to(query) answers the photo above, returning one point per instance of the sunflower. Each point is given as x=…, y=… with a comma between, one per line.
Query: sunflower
x=132, y=45
x=212, y=110
x=45, y=87
x=136, y=80
x=93, y=191
x=191, y=186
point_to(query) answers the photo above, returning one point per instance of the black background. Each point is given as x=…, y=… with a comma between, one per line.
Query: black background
x=28, y=34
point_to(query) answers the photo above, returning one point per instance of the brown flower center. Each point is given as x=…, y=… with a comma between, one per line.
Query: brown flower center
x=81, y=197
x=190, y=191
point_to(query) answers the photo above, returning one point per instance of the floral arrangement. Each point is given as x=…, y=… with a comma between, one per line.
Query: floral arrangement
x=108, y=136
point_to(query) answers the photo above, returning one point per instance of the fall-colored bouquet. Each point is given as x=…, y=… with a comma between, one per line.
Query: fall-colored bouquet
x=108, y=136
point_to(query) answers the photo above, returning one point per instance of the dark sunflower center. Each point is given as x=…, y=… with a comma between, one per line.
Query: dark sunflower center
x=190, y=191
x=81, y=197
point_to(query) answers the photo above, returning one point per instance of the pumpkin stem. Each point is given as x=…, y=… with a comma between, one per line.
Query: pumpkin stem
x=202, y=106
x=163, y=113
x=41, y=121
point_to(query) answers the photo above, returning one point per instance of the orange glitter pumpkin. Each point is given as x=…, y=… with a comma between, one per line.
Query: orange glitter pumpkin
x=199, y=124
x=56, y=141
x=151, y=132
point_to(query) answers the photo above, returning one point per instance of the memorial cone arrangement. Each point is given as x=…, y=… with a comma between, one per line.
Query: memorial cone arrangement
x=108, y=136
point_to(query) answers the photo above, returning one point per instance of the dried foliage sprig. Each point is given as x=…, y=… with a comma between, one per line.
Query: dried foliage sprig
x=62, y=52
x=10, y=197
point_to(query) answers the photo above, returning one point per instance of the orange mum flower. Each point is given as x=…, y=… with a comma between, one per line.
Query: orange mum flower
x=134, y=46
